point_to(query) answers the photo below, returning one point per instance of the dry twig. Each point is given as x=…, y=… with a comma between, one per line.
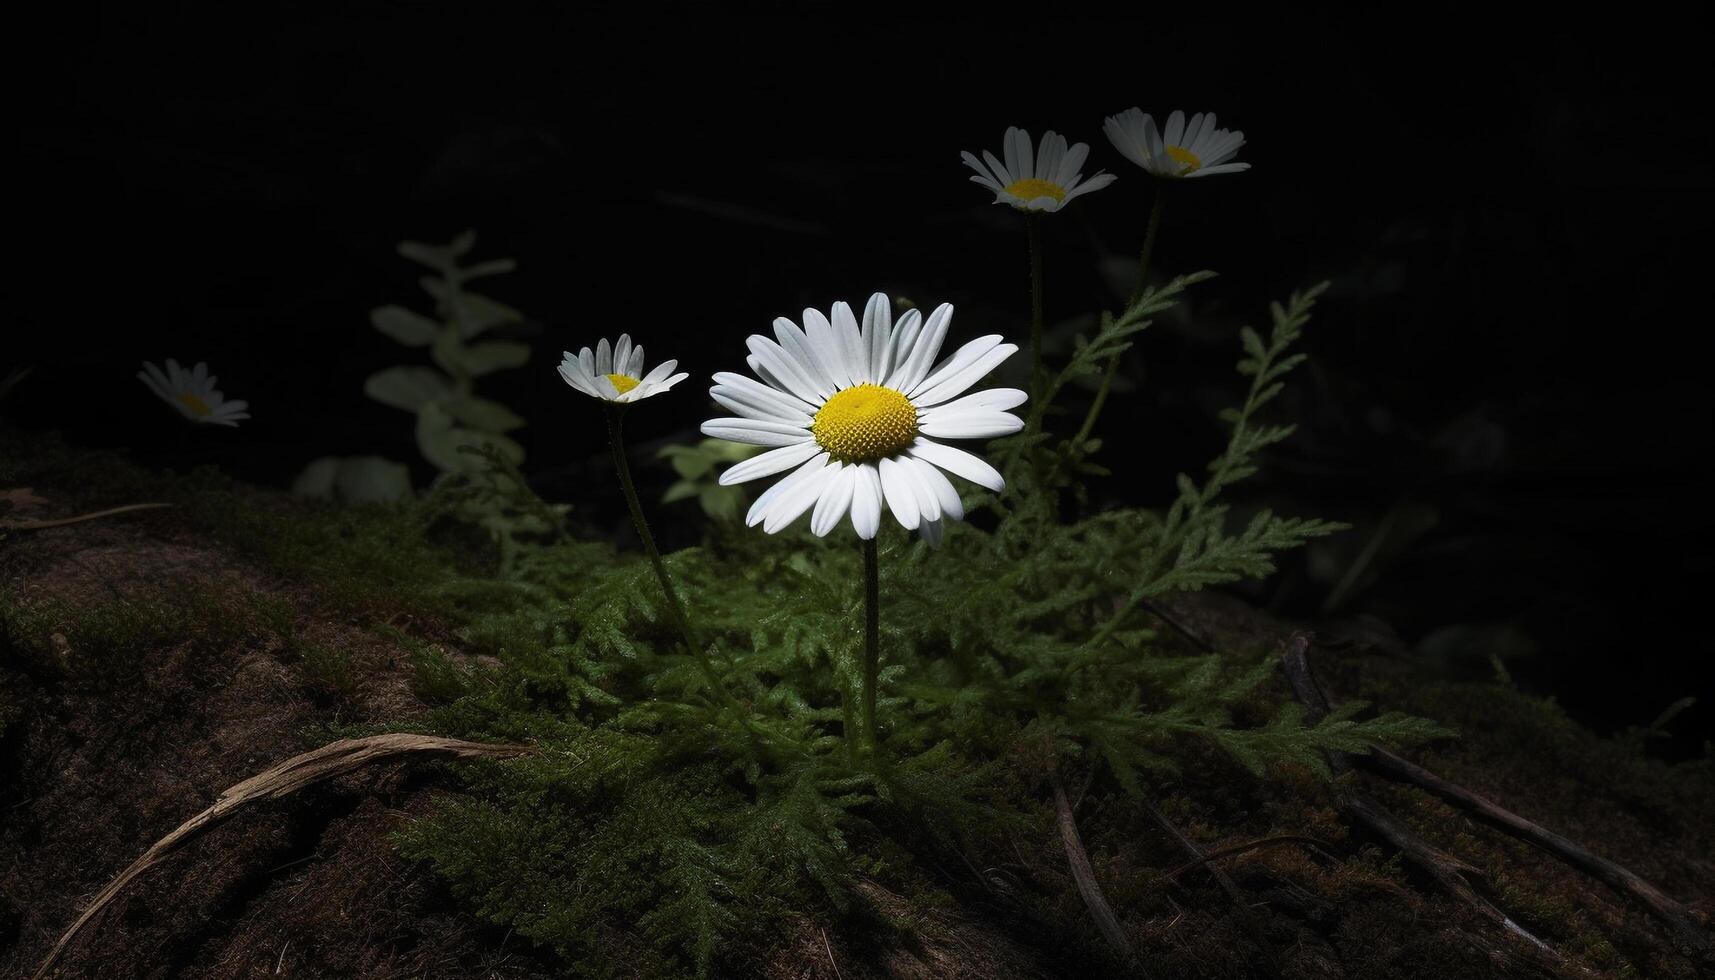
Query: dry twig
x=1382, y=762
x=288, y=777
x=79, y=519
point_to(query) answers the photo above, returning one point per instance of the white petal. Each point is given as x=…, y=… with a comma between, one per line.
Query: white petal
x=792, y=503
x=802, y=354
x=156, y=381
x=877, y=334
x=853, y=353
x=971, y=424
x=928, y=506
x=757, y=391
x=905, y=331
x=783, y=369
x=826, y=350
x=962, y=358
x=1018, y=146
x=955, y=384
x=569, y=372
x=958, y=462
x=743, y=404
x=1095, y=183
x=931, y=532
x=755, y=432
x=661, y=370
x=835, y=500
x=769, y=463
x=603, y=357
x=1175, y=134
x=764, y=503
x=866, y=501
x=1071, y=163
x=622, y=354
x=971, y=161
x=901, y=498
x=922, y=354
x=994, y=399
x=945, y=495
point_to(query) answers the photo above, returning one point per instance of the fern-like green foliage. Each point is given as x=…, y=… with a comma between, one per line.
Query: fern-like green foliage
x=663, y=826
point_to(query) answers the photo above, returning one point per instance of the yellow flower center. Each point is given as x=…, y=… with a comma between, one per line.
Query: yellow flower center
x=622, y=382
x=865, y=423
x=195, y=404
x=1187, y=160
x=1031, y=189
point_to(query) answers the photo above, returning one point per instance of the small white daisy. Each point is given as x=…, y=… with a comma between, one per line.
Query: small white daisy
x=1197, y=149
x=1043, y=181
x=193, y=393
x=616, y=374
x=851, y=411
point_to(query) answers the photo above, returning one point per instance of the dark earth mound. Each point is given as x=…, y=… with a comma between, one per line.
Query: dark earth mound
x=149, y=662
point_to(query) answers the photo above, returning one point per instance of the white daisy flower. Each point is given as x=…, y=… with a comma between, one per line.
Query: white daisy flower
x=1197, y=149
x=616, y=374
x=855, y=413
x=193, y=393
x=1043, y=181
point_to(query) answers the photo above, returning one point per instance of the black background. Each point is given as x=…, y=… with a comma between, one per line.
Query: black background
x=1512, y=360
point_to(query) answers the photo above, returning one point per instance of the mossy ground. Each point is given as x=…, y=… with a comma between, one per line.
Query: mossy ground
x=150, y=661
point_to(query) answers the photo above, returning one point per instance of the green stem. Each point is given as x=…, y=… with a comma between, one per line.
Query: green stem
x=1136, y=295
x=1033, y=231
x=871, y=645
x=675, y=608
x=1148, y=244
x=1101, y=399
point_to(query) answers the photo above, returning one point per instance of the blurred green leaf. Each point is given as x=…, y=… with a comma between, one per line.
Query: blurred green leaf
x=408, y=387
x=480, y=413
x=487, y=357
x=440, y=438
x=406, y=326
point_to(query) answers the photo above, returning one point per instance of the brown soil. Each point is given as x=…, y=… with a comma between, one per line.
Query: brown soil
x=92, y=772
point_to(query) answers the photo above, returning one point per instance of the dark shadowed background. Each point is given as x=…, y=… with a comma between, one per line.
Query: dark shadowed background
x=1508, y=390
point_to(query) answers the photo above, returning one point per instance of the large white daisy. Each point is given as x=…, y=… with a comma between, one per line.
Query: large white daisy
x=193, y=393
x=855, y=412
x=1194, y=149
x=1043, y=181
x=615, y=374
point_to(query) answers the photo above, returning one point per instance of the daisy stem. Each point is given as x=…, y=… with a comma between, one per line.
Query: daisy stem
x=676, y=609
x=871, y=645
x=1148, y=245
x=1033, y=231
x=1136, y=295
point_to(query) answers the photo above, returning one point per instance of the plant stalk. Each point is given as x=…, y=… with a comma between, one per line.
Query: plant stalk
x=871, y=645
x=675, y=608
x=1033, y=232
x=1137, y=292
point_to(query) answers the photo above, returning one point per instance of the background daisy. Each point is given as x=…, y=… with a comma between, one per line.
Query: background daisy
x=1194, y=149
x=1043, y=181
x=193, y=393
x=615, y=374
x=856, y=414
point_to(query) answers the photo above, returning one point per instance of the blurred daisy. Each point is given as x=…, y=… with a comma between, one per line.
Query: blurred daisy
x=616, y=374
x=856, y=414
x=1197, y=149
x=1043, y=181
x=193, y=393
